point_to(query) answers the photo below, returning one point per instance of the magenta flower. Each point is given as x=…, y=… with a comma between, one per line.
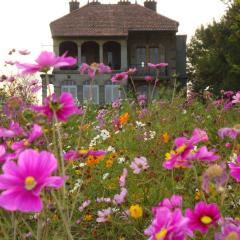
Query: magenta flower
x=199, y=135
x=236, y=98
x=104, y=215
x=94, y=68
x=158, y=65
x=171, y=203
x=203, y=154
x=62, y=106
x=148, y=78
x=45, y=61
x=168, y=225
x=117, y=78
x=13, y=131
x=235, y=169
x=139, y=164
x=23, y=182
x=24, y=52
x=142, y=100
x=230, y=229
x=228, y=132
x=203, y=216
x=131, y=71
x=33, y=135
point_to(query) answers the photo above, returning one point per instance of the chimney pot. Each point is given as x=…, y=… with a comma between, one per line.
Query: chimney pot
x=73, y=5
x=151, y=4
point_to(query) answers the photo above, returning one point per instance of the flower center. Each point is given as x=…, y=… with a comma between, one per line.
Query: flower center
x=231, y=236
x=30, y=183
x=206, y=220
x=55, y=106
x=161, y=234
x=181, y=148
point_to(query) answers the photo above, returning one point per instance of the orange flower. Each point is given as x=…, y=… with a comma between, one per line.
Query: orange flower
x=165, y=137
x=109, y=163
x=124, y=118
x=92, y=160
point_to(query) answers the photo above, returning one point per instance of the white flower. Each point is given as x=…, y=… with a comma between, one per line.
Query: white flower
x=105, y=176
x=121, y=160
x=111, y=149
x=140, y=124
x=104, y=134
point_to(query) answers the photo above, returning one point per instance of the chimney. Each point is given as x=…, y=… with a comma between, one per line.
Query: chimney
x=124, y=2
x=74, y=5
x=151, y=4
x=94, y=2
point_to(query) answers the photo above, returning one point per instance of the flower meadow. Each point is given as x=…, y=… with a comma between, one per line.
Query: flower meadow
x=158, y=169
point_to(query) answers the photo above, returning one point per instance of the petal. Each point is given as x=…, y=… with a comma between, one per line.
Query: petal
x=55, y=182
x=21, y=200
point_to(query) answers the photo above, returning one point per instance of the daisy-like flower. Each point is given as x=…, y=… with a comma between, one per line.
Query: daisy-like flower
x=117, y=78
x=168, y=225
x=46, y=61
x=236, y=98
x=203, y=216
x=203, y=154
x=84, y=205
x=136, y=211
x=94, y=69
x=104, y=215
x=228, y=132
x=139, y=164
x=122, y=179
x=120, y=198
x=235, y=169
x=158, y=65
x=148, y=78
x=23, y=181
x=62, y=106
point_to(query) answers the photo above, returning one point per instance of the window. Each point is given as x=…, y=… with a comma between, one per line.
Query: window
x=109, y=59
x=112, y=92
x=141, y=56
x=69, y=86
x=153, y=55
x=91, y=91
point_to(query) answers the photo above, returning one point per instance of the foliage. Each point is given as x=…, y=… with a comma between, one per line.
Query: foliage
x=213, y=53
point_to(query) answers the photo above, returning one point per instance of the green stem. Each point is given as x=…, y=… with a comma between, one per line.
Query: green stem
x=196, y=177
x=65, y=221
x=174, y=88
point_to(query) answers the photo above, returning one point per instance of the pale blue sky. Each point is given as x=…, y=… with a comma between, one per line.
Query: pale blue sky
x=24, y=24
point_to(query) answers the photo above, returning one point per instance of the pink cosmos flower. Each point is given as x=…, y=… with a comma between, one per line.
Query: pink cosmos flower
x=24, y=52
x=142, y=100
x=122, y=179
x=117, y=78
x=230, y=229
x=104, y=215
x=45, y=61
x=4, y=156
x=33, y=135
x=94, y=68
x=120, y=198
x=139, y=164
x=236, y=98
x=171, y=203
x=131, y=71
x=235, y=169
x=23, y=182
x=168, y=225
x=158, y=65
x=102, y=199
x=228, y=132
x=203, y=216
x=116, y=103
x=203, y=154
x=62, y=106
x=84, y=205
x=10, y=62
x=199, y=135
x=148, y=78
x=14, y=130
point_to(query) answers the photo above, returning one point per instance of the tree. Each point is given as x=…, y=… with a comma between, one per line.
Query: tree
x=214, y=52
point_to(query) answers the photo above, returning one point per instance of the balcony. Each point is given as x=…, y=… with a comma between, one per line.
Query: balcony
x=145, y=70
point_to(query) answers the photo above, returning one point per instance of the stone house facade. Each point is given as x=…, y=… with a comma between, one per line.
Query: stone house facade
x=123, y=36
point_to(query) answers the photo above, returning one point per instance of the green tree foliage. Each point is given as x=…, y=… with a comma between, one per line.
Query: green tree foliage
x=214, y=52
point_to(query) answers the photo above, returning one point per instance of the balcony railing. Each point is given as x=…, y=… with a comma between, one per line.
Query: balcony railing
x=145, y=70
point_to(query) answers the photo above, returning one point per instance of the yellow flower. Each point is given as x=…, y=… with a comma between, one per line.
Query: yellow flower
x=136, y=211
x=165, y=137
x=77, y=172
x=109, y=163
x=88, y=217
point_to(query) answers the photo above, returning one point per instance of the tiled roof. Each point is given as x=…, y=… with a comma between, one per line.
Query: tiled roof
x=110, y=20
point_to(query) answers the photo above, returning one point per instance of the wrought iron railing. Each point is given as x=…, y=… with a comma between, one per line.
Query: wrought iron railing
x=145, y=70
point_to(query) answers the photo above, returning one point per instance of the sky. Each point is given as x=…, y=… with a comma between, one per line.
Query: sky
x=24, y=24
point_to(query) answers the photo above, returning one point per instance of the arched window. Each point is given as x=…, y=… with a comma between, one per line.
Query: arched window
x=71, y=49
x=112, y=55
x=90, y=52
